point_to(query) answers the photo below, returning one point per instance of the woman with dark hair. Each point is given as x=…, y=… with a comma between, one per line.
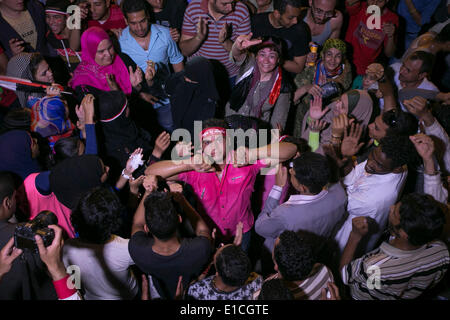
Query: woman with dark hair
x=29, y=66
x=101, y=255
x=262, y=90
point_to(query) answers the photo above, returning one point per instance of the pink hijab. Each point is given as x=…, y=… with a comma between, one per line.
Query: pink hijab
x=92, y=74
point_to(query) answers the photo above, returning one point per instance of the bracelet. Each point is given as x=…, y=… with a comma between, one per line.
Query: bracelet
x=337, y=137
x=124, y=175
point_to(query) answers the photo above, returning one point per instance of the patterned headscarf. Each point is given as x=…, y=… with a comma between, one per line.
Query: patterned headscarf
x=19, y=67
x=48, y=118
x=334, y=43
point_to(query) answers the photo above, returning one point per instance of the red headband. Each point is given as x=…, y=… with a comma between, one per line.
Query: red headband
x=212, y=131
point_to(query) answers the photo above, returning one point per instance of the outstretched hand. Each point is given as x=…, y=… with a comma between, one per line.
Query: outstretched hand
x=136, y=76
x=161, y=144
x=315, y=108
x=350, y=146
x=244, y=41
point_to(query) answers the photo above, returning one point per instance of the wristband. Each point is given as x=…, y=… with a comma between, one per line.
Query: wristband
x=124, y=175
x=61, y=288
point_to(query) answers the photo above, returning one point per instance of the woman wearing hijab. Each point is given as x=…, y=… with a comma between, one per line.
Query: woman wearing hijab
x=121, y=136
x=50, y=118
x=101, y=67
x=193, y=94
x=333, y=66
x=60, y=189
x=262, y=90
x=18, y=153
x=29, y=66
x=357, y=104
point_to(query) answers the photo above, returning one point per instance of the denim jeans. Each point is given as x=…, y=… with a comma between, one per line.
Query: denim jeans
x=164, y=114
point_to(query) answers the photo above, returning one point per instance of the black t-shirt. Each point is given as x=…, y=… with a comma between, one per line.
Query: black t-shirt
x=189, y=261
x=172, y=15
x=296, y=38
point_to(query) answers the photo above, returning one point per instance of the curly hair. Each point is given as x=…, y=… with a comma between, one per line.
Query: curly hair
x=233, y=266
x=400, y=123
x=161, y=216
x=97, y=215
x=293, y=256
x=400, y=150
x=421, y=217
x=275, y=289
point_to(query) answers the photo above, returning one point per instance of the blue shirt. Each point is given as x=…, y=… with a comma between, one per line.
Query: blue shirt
x=162, y=49
x=426, y=8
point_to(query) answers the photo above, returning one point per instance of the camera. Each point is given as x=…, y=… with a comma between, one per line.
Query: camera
x=25, y=232
x=330, y=90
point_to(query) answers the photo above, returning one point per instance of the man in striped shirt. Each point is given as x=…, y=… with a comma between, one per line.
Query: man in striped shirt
x=211, y=26
x=406, y=266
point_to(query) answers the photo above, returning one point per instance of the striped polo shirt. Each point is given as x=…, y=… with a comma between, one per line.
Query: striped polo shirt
x=402, y=274
x=211, y=48
x=311, y=287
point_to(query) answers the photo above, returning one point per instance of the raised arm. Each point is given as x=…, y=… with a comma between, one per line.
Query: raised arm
x=190, y=44
x=240, y=46
x=199, y=225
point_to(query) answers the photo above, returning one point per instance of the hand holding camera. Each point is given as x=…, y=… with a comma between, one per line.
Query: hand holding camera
x=51, y=254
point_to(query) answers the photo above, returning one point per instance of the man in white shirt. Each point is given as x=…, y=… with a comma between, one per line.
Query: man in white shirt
x=374, y=185
x=413, y=73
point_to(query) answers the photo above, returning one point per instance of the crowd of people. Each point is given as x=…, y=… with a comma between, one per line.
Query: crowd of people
x=344, y=196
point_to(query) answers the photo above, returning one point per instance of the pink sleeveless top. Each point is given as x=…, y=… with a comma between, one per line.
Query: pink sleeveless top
x=38, y=202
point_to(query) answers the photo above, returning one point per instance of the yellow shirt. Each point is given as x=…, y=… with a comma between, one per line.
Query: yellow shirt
x=24, y=26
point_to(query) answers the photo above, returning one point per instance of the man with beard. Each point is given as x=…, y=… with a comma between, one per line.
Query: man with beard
x=407, y=265
x=284, y=23
x=152, y=48
x=323, y=20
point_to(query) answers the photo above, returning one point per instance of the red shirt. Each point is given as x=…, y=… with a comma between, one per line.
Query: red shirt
x=116, y=20
x=367, y=44
x=226, y=201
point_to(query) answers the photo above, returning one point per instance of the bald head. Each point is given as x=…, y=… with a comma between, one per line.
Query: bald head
x=322, y=10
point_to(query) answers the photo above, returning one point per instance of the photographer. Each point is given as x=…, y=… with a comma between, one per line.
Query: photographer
x=20, y=283
x=51, y=256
